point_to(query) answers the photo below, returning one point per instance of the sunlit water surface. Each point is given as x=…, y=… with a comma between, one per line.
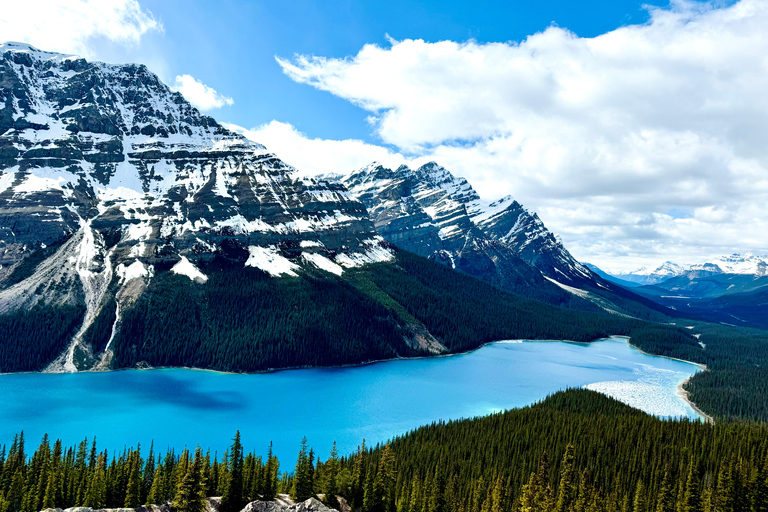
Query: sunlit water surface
x=178, y=407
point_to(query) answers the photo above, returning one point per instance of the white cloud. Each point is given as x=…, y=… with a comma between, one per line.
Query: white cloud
x=318, y=156
x=71, y=26
x=645, y=143
x=199, y=94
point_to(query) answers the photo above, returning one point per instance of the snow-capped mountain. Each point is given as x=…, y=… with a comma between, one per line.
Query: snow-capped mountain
x=747, y=264
x=435, y=214
x=645, y=275
x=729, y=289
x=107, y=175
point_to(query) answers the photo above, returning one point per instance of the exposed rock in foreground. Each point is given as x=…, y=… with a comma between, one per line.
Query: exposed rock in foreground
x=281, y=505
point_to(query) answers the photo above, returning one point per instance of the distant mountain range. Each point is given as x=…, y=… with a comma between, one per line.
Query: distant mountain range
x=730, y=289
x=746, y=264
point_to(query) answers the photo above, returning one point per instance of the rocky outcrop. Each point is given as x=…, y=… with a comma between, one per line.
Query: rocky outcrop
x=310, y=505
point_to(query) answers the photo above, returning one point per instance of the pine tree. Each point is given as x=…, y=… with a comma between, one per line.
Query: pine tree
x=133, y=492
x=640, y=498
x=691, y=496
x=331, y=487
x=232, y=499
x=190, y=493
x=567, y=487
x=302, y=483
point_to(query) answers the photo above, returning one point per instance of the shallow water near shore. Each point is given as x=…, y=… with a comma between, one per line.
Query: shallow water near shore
x=182, y=407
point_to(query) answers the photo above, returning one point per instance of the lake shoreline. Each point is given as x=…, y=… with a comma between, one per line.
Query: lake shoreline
x=310, y=367
x=376, y=403
x=685, y=395
x=679, y=391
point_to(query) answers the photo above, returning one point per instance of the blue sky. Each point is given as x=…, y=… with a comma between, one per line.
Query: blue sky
x=637, y=131
x=230, y=45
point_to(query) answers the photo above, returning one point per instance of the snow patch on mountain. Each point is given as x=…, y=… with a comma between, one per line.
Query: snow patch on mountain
x=322, y=263
x=185, y=268
x=270, y=261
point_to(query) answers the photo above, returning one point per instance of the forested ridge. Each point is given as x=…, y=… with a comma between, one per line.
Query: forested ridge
x=243, y=320
x=577, y=451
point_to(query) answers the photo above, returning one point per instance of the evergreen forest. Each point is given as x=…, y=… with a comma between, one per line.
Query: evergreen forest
x=576, y=451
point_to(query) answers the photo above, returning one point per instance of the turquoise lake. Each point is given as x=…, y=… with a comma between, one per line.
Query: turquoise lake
x=178, y=407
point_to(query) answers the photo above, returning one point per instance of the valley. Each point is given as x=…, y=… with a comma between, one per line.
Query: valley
x=165, y=282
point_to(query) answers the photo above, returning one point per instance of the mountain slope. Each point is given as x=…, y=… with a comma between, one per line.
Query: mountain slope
x=108, y=177
x=439, y=216
x=433, y=213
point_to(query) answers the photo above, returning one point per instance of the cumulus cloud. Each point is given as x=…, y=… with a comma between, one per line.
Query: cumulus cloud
x=70, y=26
x=318, y=156
x=645, y=143
x=199, y=94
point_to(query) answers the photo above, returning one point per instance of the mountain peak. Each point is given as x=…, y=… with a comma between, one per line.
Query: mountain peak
x=433, y=213
x=111, y=174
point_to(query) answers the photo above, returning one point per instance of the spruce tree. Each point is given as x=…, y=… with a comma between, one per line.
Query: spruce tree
x=96, y=495
x=270, y=475
x=358, y=478
x=190, y=494
x=498, y=496
x=133, y=491
x=567, y=488
x=331, y=487
x=232, y=499
x=155, y=495
x=415, y=498
x=640, y=501
x=301, y=489
x=691, y=496
x=149, y=474
x=663, y=498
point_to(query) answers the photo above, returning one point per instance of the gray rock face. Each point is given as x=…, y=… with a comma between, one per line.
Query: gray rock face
x=432, y=213
x=310, y=505
x=105, y=173
x=148, y=508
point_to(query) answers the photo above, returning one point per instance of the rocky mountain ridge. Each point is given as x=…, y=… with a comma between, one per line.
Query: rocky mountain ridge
x=106, y=175
x=435, y=214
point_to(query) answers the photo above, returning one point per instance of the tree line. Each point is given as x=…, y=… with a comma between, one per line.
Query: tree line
x=577, y=451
